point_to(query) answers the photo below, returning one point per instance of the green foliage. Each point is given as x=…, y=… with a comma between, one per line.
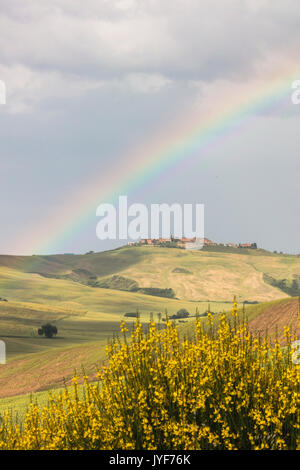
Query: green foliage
x=181, y=270
x=289, y=286
x=123, y=283
x=48, y=330
x=182, y=313
x=131, y=314
x=169, y=293
x=118, y=283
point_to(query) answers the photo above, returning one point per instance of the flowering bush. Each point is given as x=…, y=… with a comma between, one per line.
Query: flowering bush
x=222, y=390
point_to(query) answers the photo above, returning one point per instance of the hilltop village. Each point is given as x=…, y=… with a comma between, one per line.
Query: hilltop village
x=190, y=243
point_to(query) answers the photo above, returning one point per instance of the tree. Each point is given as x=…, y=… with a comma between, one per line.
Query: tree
x=48, y=330
x=182, y=313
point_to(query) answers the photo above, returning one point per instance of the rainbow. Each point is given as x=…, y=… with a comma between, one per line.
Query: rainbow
x=167, y=149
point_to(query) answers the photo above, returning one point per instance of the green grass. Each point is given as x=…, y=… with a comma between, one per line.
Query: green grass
x=18, y=405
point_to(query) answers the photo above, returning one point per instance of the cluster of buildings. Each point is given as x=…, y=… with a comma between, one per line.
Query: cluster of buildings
x=252, y=246
x=180, y=242
x=184, y=242
x=191, y=243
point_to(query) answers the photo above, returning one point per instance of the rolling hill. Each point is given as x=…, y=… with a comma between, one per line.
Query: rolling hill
x=86, y=296
x=254, y=275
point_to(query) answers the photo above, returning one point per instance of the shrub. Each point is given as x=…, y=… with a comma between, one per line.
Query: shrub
x=157, y=291
x=48, y=330
x=182, y=313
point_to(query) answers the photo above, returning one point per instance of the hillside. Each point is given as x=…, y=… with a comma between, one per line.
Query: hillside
x=253, y=275
x=265, y=318
x=93, y=314
x=273, y=318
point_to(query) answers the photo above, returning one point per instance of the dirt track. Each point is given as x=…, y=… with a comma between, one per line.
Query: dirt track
x=277, y=317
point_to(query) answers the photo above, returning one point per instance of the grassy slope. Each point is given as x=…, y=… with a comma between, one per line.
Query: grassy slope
x=213, y=275
x=77, y=298
x=85, y=317
x=18, y=405
x=50, y=369
x=81, y=313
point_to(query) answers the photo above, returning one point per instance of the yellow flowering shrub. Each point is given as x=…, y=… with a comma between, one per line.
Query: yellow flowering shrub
x=223, y=389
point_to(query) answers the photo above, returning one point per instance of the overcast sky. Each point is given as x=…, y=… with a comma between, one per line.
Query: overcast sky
x=87, y=82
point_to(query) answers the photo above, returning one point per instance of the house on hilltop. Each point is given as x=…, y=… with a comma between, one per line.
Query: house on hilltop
x=252, y=246
x=208, y=242
x=191, y=243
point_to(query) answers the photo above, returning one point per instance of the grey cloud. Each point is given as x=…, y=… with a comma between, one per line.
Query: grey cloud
x=88, y=81
x=179, y=38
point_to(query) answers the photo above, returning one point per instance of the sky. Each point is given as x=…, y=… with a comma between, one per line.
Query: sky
x=89, y=83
